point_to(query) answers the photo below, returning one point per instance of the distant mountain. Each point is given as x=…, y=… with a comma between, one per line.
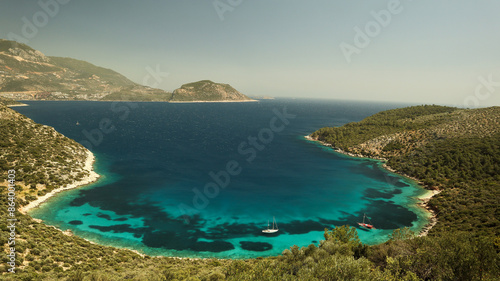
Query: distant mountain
x=207, y=90
x=27, y=74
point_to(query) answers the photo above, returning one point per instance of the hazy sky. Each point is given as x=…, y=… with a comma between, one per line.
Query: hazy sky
x=426, y=51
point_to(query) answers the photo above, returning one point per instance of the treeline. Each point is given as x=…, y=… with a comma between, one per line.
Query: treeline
x=383, y=123
x=341, y=256
x=465, y=167
x=467, y=170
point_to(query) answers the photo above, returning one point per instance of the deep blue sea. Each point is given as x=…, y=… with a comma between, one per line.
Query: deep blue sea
x=204, y=179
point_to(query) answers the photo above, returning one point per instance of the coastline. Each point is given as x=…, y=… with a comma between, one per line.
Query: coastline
x=201, y=101
x=90, y=178
x=433, y=216
x=424, y=199
x=17, y=105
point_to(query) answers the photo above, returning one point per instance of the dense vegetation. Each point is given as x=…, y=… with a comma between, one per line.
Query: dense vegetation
x=468, y=172
x=43, y=158
x=383, y=123
x=464, y=168
x=51, y=255
x=456, y=151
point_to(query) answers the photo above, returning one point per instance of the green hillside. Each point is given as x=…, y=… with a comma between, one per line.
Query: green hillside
x=453, y=150
x=383, y=123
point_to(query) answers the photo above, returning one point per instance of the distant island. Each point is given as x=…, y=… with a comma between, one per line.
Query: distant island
x=27, y=74
x=208, y=91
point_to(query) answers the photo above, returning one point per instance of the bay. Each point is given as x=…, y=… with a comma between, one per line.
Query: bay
x=203, y=179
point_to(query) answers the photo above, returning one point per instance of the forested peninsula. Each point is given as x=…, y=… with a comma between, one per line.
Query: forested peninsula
x=454, y=150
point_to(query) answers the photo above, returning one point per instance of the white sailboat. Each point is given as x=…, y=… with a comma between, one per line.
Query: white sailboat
x=271, y=230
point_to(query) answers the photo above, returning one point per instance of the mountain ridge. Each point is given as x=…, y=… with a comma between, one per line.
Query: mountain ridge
x=27, y=74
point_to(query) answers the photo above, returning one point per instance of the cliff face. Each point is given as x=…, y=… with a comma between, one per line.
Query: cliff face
x=207, y=90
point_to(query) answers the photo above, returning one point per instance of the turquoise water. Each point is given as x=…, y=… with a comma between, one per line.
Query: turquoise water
x=202, y=180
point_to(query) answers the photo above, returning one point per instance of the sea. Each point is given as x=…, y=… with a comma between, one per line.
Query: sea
x=202, y=180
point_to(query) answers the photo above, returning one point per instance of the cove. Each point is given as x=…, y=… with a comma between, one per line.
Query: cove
x=154, y=159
